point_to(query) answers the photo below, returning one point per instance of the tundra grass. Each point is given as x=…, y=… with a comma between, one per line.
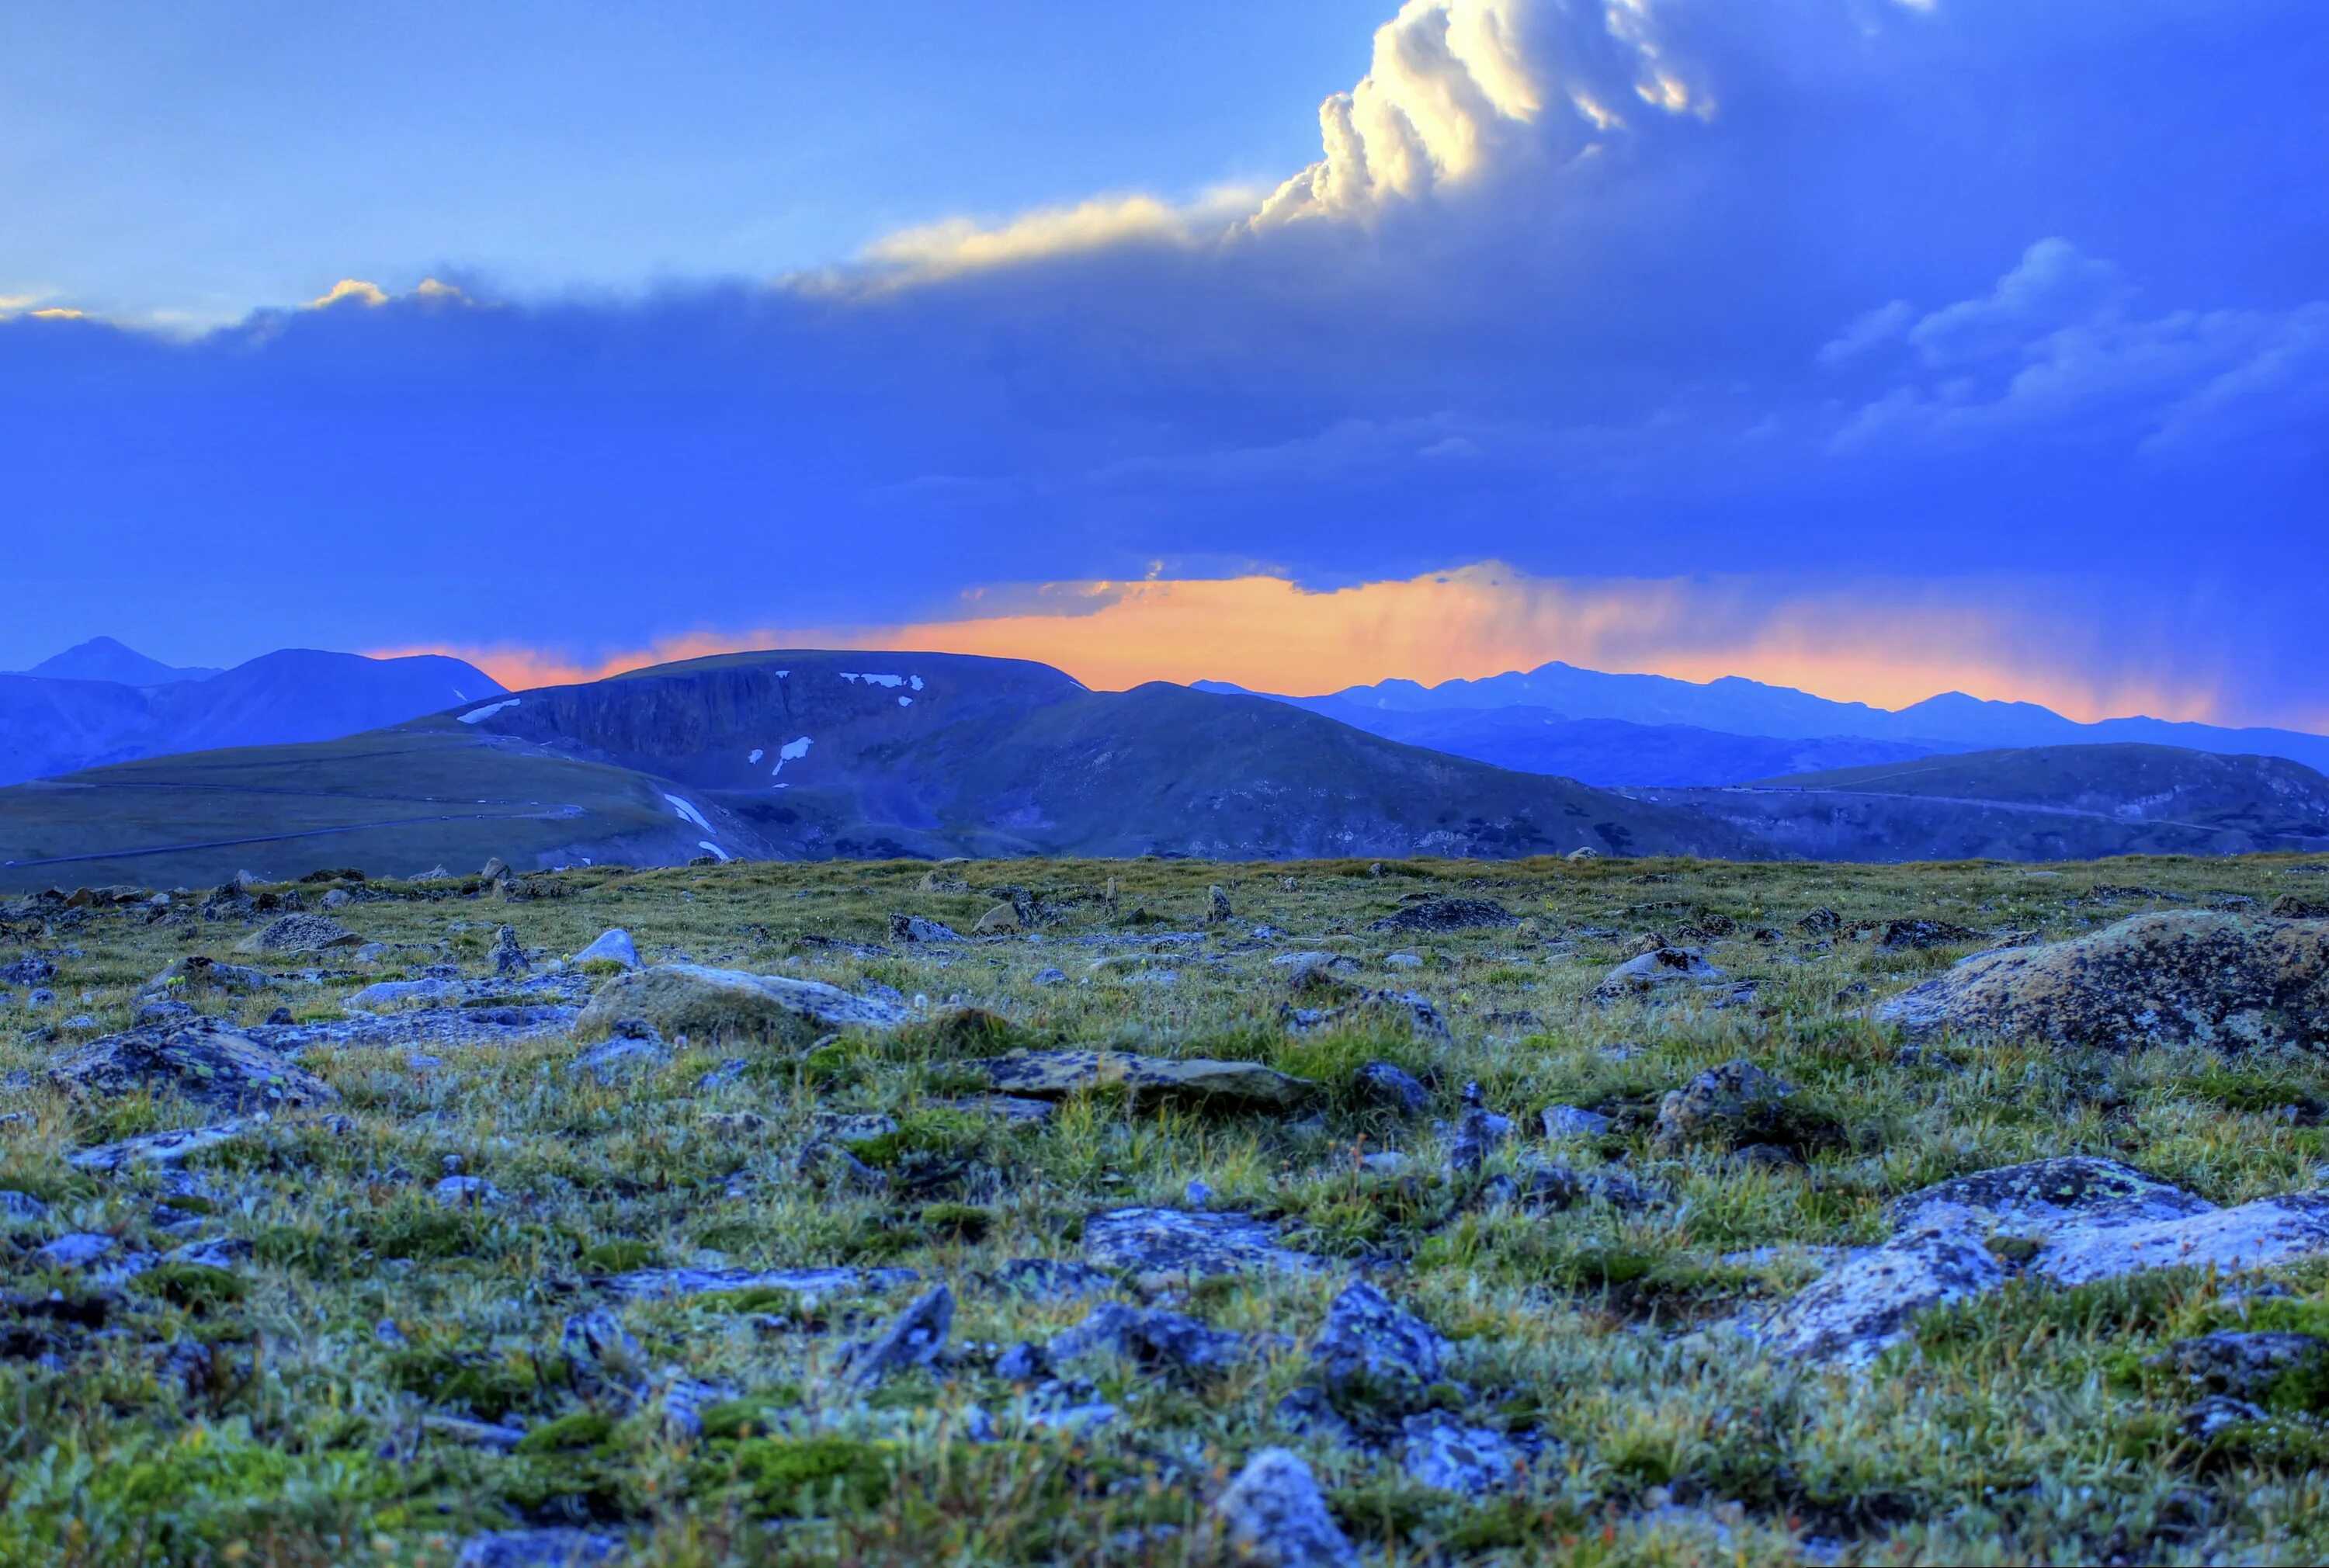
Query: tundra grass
x=308, y=1405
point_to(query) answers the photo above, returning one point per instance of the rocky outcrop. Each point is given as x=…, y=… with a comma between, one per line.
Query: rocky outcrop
x=1446, y=915
x=1054, y=1074
x=714, y=1004
x=295, y=934
x=196, y=1060
x=2196, y=977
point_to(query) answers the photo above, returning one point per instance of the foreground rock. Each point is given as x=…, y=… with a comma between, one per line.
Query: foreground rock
x=1168, y=1244
x=913, y=1338
x=171, y=1147
x=2184, y=978
x=1736, y=1101
x=196, y=1060
x=2069, y=1221
x=712, y=1004
x=1273, y=1516
x=294, y=934
x=1446, y=915
x=610, y=947
x=1052, y=1073
x=1659, y=970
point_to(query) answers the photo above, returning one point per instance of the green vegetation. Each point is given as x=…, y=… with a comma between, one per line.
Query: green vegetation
x=386, y=1373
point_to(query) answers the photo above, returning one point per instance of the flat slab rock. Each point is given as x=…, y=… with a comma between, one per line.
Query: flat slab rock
x=1059, y=1073
x=708, y=1004
x=566, y=990
x=2192, y=977
x=1660, y=968
x=437, y=1027
x=2072, y=1221
x=809, y=1284
x=298, y=934
x=171, y=1147
x=1173, y=1243
x=197, y=1060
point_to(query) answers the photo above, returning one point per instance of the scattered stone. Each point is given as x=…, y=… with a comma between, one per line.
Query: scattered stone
x=1052, y=1279
x=291, y=933
x=1273, y=1516
x=1736, y=1101
x=811, y=1285
x=1049, y=977
x=79, y=1250
x=828, y=1164
x=913, y=1338
x=1658, y=969
x=1055, y=1074
x=1002, y=920
x=554, y=1548
x=1394, y=1088
x=634, y=1047
x=1446, y=915
x=22, y=1206
x=198, y=1060
x=1470, y=1460
x=1403, y=961
x=914, y=928
x=465, y=1192
x=1371, y=1340
x=705, y=1004
x=2218, y=1415
x=170, y=1148
x=196, y=972
x=1405, y=1008
x=2184, y=977
x=2246, y=1365
x=1565, y=1122
x=1157, y=1341
x=1168, y=1244
x=31, y=969
x=1015, y=1108
x=1919, y=934
x=610, y=947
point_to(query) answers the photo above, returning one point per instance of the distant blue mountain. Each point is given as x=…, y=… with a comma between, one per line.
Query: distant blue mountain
x=1740, y=709
x=51, y=725
x=104, y=659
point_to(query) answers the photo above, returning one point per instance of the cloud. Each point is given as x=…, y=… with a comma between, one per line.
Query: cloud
x=936, y=251
x=2054, y=288
x=349, y=291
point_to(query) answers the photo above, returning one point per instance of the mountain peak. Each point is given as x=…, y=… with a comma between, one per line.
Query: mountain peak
x=111, y=659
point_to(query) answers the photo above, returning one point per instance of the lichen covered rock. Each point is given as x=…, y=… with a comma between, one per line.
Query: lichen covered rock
x=1052, y=1074
x=196, y=1060
x=2195, y=976
x=710, y=1004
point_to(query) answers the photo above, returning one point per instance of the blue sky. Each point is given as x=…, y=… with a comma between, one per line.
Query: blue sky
x=1874, y=346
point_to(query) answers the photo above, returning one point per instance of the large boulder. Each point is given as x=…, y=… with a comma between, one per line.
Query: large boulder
x=2184, y=978
x=1659, y=970
x=1273, y=1516
x=292, y=933
x=197, y=1060
x=709, y=1004
x=1052, y=1074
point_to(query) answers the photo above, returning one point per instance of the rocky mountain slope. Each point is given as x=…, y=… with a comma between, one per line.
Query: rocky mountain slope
x=108, y=659
x=2038, y=803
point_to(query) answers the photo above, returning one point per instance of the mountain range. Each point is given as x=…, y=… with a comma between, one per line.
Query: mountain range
x=1556, y=714
x=103, y=703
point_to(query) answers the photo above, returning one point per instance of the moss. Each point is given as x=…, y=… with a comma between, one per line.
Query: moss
x=947, y=1134
x=787, y=1476
x=619, y=1257
x=960, y=1221
x=732, y=1419
x=198, y=1286
x=583, y=1429
x=488, y=1386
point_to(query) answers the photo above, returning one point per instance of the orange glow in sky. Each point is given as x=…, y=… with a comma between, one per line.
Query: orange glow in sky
x=1274, y=635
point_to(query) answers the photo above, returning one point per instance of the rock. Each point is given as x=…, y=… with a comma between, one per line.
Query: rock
x=1454, y=1458
x=1052, y=1279
x=633, y=1048
x=1054, y=1074
x=465, y=1192
x=914, y=928
x=1394, y=1088
x=1157, y=1341
x=291, y=933
x=2069, y=1221
x=195, y=971
x=1048, y=977
x=2184, y=977
x=1820, y=922
x=1582, y=852
x=1002, y=920
x=168, y=1148
x=610, y=947
x=2248, y=1365
x=913, y=1338
x=199, y=1061
x=22, y=1206
x=437, y=873
x=1564, y=1121
x=1659, y=969
x=554, y=1548
x=30, y=969
x=1169, y=1243
x=2289, y=906
x=1402, y=960
x=1923, y=934
x=507, y=955
x=1476, y=1132
x=811, y=1285
x=2218, y=1415
x=707, y=1004
x=1736, y=1101
x=1446, y=915
x=597, y=1344
x=1273, y=1516
x=1217, y=906
x=1371, y=1341
x=77, y=1251
x=496, y=870
x=828, y=1164
x=1398, y=1008
x=1002, y=1107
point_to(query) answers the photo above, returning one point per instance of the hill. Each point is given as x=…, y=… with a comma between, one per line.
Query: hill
x=105, y=658
x=1611, y=751
x=813, y=754
x=2034, y=803
x=1734, y=705
x=50, y=726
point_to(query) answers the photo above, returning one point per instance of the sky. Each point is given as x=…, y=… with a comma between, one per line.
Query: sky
x=1877, y=347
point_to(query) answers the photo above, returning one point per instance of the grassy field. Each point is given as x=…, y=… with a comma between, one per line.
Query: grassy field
x=345, y=1393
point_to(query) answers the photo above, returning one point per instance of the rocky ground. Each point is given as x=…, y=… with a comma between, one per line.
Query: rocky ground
x=1161, y=1212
